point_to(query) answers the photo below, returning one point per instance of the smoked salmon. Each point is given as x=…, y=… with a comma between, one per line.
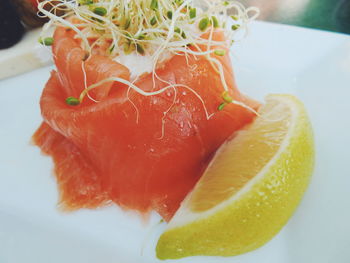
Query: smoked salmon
x=141, y=152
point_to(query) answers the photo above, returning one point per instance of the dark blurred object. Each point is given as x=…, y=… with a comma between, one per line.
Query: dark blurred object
x=11, y=29
x=28, y=13
x=331, y=15
x=342, y=16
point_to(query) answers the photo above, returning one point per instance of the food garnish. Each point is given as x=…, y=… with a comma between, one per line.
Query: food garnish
x=157, y=29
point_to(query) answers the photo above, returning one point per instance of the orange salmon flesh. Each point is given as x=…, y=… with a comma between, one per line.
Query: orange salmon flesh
x=145, y=155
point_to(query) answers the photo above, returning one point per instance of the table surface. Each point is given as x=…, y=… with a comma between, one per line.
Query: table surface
x=330, y=15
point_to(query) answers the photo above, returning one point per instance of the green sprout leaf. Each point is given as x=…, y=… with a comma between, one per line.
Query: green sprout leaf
x=154, y=5
x=226, y=97
x=203, y=24
x=101, y=11
x=220, y=52
x=140, y=49
x=153, y=21
x=48, y=41
x=72, y=101
x=127, y=23
x=222, y=106
x=193, y=13
x=215, y=21
x=234, y=27
x=86, y=2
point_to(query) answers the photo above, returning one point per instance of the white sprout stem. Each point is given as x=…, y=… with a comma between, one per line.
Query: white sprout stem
x=166, y=112
x=133, y=104
x=85, y=82
x=245, y=106
x=64, y=22
x=220, y=68
x=142, y=92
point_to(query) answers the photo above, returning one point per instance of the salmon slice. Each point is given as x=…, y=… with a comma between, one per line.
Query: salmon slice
x=140, y=152
x=72, y=170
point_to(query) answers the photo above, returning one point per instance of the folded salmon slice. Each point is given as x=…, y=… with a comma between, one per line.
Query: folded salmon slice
x=140, y=152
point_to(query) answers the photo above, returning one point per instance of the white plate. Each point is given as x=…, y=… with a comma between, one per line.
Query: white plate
x=313, y=65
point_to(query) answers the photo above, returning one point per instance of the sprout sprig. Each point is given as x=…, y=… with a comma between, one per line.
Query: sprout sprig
x=122, y=22
x=152, y=28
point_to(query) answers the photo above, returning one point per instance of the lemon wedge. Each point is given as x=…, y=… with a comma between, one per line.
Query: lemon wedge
x=250, y=189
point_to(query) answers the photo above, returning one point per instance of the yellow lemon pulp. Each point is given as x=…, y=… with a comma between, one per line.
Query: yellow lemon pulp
x=250, y=189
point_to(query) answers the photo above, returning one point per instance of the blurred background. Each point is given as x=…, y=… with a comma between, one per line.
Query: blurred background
x=331, y=15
